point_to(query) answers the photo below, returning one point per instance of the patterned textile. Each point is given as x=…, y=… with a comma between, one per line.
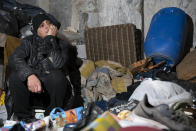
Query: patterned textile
x=130, y=105
x=119, y=43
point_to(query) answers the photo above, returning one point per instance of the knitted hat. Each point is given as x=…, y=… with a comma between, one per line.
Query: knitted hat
x=38, y=19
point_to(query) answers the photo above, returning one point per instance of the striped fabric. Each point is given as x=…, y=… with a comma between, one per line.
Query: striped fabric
x=119, y=43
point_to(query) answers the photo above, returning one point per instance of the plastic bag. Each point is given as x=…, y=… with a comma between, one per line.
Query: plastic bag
x=13, y=5
x=161, y=92
x=8, y=23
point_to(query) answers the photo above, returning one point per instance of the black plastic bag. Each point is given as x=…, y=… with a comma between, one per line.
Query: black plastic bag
x=13, y=5
x=22, y=18
x=10, y=4
x=31, y=11
x=22, y=12
x=8, y=23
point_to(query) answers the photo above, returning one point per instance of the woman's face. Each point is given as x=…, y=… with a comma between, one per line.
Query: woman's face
x=43, y=29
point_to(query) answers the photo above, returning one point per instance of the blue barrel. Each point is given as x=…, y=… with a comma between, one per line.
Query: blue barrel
x=166, y=36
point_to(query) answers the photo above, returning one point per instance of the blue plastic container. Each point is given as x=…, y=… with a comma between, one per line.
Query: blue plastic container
x=166, y=36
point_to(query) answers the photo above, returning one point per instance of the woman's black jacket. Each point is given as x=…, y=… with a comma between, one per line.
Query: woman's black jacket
x=40, y=56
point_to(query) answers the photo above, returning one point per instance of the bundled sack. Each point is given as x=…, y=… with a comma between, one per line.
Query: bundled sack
x=186, y=69
x=161, y=92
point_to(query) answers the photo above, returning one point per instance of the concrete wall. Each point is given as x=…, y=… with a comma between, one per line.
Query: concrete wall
x=62, y=10
x=44, y=4
x=95, y=13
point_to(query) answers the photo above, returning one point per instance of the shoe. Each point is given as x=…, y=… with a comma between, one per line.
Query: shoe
x=162, y=115
x=186, y=108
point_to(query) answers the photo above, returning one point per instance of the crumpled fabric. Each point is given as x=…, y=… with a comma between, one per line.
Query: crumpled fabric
x=120, y=84
x=100, y=84
x=115, y=69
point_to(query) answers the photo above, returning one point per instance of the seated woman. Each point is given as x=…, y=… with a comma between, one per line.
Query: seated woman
x=38, y=67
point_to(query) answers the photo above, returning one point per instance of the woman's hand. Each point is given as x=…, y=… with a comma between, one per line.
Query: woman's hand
x=34, y=84
x=52, y=30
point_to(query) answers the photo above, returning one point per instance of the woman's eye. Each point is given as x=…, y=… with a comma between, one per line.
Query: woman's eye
x=42, y=25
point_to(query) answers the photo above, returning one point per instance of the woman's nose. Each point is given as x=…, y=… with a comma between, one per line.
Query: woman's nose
x=47, y=26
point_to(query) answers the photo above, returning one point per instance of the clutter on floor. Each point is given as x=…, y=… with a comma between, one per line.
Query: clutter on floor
x=123, y=94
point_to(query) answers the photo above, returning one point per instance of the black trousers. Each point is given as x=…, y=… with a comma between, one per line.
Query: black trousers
x=55, y=87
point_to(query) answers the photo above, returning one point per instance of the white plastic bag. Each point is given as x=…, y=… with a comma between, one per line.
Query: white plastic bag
x=161, y=92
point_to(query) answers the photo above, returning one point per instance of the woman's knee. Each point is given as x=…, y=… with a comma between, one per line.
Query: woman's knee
x=58, y=77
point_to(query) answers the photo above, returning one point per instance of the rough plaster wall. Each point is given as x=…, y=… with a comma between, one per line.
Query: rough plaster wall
x=79, y=9
x=106, y=12
x=44, y=4
x=119, y=12
x=62, y=10
x=152, y=6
